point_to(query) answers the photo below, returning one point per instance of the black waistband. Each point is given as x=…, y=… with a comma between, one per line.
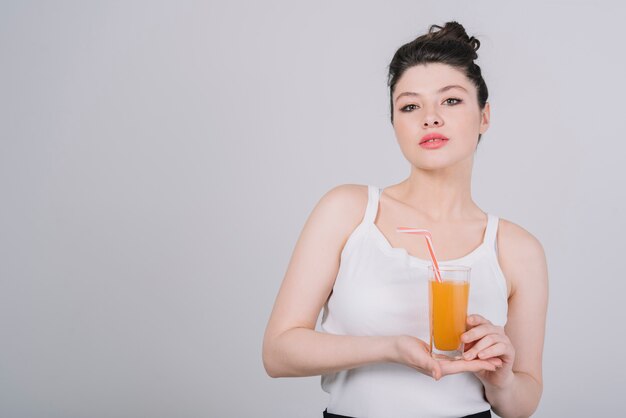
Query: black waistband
x=484, y=414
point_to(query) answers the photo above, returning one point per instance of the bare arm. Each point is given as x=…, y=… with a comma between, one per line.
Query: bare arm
x=291, y=346
x=514, y=390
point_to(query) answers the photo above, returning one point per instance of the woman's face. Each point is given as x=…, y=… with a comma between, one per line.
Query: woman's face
x=437, y=99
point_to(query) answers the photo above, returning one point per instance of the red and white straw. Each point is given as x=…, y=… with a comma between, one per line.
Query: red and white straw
x=429, y=244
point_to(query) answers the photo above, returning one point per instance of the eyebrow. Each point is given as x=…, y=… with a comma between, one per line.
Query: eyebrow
x=441, y=90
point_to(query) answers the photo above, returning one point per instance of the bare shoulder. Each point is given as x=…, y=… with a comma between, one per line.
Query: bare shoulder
x=343, y=207
x=521, y=255
x=348, y=197
x=517, y=241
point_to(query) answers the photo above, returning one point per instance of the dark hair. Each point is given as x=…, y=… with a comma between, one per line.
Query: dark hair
x=450, y=45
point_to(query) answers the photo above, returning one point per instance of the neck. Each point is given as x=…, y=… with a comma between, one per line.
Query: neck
x=441, y=195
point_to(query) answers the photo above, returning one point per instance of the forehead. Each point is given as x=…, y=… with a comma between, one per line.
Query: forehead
x=428, y=78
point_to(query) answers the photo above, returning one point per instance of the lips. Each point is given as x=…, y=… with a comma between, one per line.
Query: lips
x=433, y=141
x=433, y=138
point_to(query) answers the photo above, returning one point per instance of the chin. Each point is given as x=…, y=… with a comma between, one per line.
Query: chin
x=442, y=162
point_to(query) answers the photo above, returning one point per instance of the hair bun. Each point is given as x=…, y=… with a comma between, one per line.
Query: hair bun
x=452, y=31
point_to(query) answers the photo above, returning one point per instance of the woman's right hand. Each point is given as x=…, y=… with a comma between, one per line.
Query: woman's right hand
x=415, y=353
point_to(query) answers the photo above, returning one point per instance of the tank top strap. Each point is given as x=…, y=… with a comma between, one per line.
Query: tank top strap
x=491, y=231
x=372, y=204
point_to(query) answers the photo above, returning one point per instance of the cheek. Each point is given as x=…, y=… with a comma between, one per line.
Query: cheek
x=471, y=120
x=403, y=128
x=467, y=124
x=404, y=137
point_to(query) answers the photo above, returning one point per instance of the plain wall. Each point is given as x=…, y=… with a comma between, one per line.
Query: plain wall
x=158, y=160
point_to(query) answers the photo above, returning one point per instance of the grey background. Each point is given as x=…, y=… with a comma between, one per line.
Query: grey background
x=158, y=160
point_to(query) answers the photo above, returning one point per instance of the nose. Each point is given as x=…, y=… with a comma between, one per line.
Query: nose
x=432, y=119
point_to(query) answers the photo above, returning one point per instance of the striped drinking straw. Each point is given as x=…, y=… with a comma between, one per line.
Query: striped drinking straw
x=429, y=244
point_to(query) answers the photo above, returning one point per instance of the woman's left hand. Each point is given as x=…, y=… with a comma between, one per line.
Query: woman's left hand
x=484, y=341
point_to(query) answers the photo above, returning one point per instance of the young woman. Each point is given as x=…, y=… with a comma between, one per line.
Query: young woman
x=372, y=349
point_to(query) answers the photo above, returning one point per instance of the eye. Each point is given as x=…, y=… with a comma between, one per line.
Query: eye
x=452, y=101
x=408, y=108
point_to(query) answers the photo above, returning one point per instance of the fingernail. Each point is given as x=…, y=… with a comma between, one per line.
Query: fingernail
x=467, y=356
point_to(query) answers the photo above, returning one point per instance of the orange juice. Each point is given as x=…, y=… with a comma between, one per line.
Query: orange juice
x=448, y=313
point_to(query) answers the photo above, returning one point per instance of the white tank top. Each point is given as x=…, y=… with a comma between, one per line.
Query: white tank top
x=381, y=290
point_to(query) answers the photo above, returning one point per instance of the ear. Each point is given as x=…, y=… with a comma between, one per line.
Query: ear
x=484, y=118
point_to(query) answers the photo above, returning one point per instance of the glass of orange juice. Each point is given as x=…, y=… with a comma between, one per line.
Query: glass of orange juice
x=448, y=310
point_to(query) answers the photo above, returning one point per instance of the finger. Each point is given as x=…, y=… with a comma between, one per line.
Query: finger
x=476, y=319
x=460, y=366
x=436, y=372
x=469, y=345
x=496, y=361
x=493, y=351
x=432, y=367
x=482, y=344
x=425, y=363
x=478, y=332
